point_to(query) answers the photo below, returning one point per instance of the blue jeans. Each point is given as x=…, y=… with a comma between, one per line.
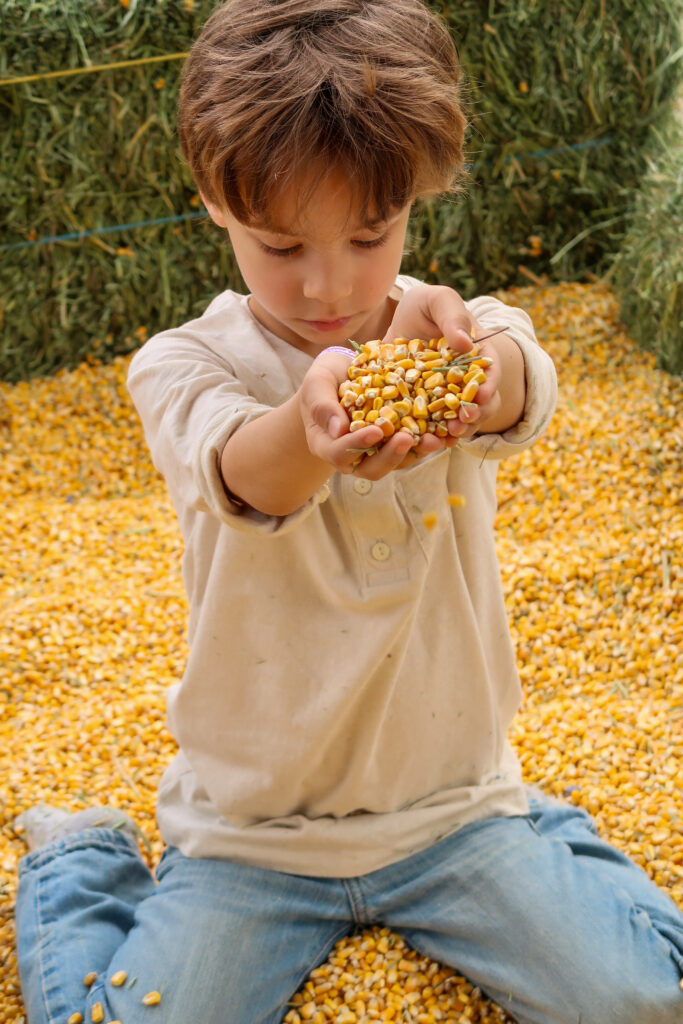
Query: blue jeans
x=552, y=923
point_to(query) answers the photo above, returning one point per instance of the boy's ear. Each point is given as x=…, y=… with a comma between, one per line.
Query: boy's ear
x=215, y=213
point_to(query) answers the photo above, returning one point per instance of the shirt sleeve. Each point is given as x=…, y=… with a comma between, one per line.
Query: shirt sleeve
x=190, y=402
x=541, y=381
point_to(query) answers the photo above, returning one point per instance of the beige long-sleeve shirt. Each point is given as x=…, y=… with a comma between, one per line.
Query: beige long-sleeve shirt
x=351, y=677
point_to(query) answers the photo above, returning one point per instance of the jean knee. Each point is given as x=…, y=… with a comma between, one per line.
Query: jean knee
x=632, y=1000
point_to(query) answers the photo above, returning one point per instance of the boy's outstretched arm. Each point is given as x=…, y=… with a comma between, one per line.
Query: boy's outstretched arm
x=277, y=462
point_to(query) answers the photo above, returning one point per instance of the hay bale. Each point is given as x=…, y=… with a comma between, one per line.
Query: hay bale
x=561, y=95
x=648, y=271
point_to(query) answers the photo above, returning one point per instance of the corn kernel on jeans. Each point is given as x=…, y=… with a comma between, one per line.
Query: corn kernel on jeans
x=551, y=922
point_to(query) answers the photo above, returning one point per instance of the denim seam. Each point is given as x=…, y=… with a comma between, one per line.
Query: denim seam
x=359, y=909
x=47, y=988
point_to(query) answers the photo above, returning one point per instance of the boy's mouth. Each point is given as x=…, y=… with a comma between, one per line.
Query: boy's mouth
x=329, y=325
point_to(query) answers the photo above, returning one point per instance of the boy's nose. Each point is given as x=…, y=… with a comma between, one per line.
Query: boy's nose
x=328, y=281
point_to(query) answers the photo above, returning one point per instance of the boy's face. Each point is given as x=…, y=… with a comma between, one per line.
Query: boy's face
x=320, y=275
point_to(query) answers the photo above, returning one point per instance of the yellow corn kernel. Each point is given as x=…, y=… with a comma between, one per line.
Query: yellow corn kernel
x=152, y=998
x=456, y=500
x=386, y=426
x=454, y=375
x=433, y=380
x=410, y=424
x=90, y=978
x=372, y=415
x=451, y=401
x=475, y=374
x=390, y=391
x=420, y=410
x=357, y=414
x=75, y=1018
x=356, y=425
x=441, y=430
x=469, y=391
x=118, y=979
x=97, y=1013
x=430, y=520
x=390, y=413
x=437, y=404
x=403, y=389
x=377, y=403
x=402, y=408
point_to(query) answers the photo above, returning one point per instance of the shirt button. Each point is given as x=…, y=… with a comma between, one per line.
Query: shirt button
x=380, y=551
x=362, y=486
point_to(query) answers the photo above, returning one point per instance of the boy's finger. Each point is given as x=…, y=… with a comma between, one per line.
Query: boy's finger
x=373, y=465
x=430, y=311
x=449, y=313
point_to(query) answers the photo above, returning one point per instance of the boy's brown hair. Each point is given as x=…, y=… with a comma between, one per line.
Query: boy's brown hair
x=282, y=90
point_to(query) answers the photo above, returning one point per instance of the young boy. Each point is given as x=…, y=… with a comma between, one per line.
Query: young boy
x=342, y=720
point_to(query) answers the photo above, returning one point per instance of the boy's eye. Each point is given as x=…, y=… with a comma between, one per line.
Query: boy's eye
x=292, y=250
x=373, y=243
x=272, y=251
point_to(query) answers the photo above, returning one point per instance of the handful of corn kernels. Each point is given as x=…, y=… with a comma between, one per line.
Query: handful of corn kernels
x=413, y=386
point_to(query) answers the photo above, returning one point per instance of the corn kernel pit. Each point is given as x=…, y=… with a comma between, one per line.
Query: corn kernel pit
x=589, y=532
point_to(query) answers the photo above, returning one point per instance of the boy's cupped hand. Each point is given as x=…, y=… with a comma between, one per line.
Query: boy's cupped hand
x=426, y=311
x=326, y=424
x=436, y=311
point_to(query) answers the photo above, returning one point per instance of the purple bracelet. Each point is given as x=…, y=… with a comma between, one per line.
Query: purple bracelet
x=336, y=348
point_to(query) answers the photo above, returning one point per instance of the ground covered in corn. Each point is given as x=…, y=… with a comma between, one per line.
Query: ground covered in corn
x=590, y=534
